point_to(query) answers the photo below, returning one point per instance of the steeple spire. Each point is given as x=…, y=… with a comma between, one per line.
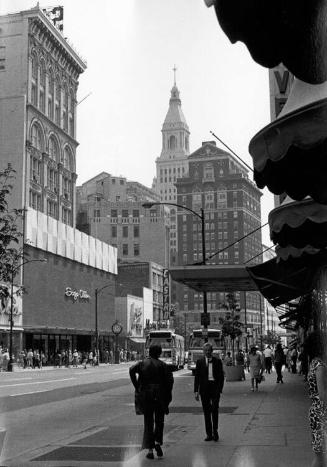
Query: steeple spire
x=175, y=131
x=174, y=70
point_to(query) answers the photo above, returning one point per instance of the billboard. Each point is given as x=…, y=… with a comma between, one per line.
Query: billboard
x=135, y=316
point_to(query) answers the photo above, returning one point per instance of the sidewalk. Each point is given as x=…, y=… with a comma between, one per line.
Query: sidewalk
x=268, y=428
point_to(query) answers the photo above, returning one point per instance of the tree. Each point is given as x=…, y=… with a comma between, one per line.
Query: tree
x=11, y=252
x=271, y=338
x=231, y=324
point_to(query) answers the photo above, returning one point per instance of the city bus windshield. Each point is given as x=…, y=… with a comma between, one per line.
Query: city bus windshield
x=199, y=341
x=165, y=343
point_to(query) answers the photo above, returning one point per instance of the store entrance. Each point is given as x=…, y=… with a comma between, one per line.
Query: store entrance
x=83, y=343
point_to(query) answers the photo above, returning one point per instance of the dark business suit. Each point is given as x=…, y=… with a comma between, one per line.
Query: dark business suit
x=155, y=383
x=209, y=391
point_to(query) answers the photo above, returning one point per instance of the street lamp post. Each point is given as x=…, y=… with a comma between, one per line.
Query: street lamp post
x=260, y=321
x=96, y=293
x=245, y=324
x=13, y=272
x=203, y=262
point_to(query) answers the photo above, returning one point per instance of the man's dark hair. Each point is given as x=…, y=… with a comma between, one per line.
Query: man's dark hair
x=155, y=350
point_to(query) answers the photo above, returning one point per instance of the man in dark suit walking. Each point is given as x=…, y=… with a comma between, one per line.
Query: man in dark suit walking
x=209, y=382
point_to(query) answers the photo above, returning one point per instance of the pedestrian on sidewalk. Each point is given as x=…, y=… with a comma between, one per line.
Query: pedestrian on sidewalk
x=293, y=359
x=75, y=358
x=304, y=364
x=317, y=382
x=208, y=383
x=268, y=358
x=153, y=389
x=240, y=362
x=30, y=358
x=256, y=367
x=85, y=357
x=279, y=361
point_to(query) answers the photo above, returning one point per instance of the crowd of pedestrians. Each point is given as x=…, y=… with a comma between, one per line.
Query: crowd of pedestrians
x=36, y=359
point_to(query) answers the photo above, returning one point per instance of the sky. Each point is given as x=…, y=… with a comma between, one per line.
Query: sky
x=131, y=47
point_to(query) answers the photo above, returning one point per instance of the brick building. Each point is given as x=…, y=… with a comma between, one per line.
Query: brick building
x=218, y=183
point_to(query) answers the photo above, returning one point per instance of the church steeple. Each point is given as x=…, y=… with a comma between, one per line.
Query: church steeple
x=175, y=131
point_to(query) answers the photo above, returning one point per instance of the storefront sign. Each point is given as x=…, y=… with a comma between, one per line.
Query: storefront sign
x=165, y=294
x=75, y=294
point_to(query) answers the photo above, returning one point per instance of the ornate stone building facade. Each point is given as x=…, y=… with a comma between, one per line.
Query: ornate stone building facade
x=38, y=91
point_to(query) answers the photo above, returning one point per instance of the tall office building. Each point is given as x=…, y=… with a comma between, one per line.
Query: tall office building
x=173, y=161
x=218, y=183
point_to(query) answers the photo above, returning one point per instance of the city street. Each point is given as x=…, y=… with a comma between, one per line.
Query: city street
x=73, y=417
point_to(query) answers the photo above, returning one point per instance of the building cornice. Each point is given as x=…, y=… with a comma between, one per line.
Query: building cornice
x=51, y=39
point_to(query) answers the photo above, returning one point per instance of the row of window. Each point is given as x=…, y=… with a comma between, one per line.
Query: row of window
x=51, y=146
x=52, y=208
x=125, y=252
x=51, y=97
x=52, y=178
x=125, y=213
x=125, y=231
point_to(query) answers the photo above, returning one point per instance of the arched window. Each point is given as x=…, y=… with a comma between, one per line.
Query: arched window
x=51, y=95
x=37, y=137
x=65, y=108
x=42, y=86
x=71, y=111
x=57, y=101
x=53, y=148
x=172, y=144
x=68, y=159
x=34, y=80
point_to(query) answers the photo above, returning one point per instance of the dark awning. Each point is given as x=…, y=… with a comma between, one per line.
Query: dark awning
x=289, y=154
x=282, y=281
x=279, y=32
x=299, y=224
x=214, y=278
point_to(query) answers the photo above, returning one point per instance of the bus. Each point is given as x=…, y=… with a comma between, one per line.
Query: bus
x=197, y=341
x=173, y=351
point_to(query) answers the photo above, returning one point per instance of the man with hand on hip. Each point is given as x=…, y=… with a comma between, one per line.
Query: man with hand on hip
x=208, y=383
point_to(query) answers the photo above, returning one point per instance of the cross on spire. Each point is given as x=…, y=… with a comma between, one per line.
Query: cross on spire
x=174, y=70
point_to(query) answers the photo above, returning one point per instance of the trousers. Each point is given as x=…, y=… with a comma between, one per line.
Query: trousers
x=210, y=404
x=153, y=426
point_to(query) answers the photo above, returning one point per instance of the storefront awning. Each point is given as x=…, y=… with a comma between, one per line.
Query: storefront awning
x=214, y=278
x=289, y=154
x=282, y=281
x=138, y=340
x=299, y=224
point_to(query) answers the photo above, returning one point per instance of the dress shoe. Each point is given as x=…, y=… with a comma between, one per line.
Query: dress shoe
x=215, y=436
x=150, y=455
x=208, y=438
x=158, y=449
